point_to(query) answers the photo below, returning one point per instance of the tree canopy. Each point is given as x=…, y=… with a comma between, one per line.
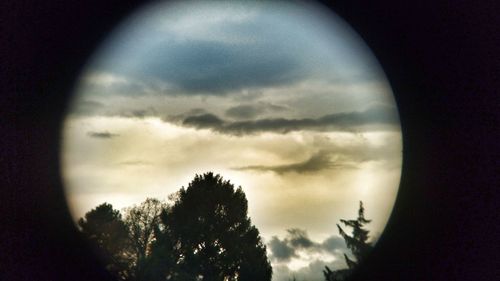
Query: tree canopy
x=212, y=233
x=141, y=222
x=205, y=234
x=104, y=228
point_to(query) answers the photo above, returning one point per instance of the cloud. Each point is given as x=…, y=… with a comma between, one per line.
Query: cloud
x=202, y=67
x=317, y=162
x=101, y=135
x=206, y=120
x=375, y=116
x=333, y=244
x=135, y=163
x=244, y=111
x=247, y=111
x=281, y=250
x=298, y=239
x=138, y=113
x=97, y=82
x=210, y=51
x=86, y=107
x=297, y=243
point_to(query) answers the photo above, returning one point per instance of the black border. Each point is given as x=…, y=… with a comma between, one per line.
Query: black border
x=441, y=59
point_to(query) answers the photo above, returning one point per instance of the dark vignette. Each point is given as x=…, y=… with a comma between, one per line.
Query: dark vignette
x=439, y=57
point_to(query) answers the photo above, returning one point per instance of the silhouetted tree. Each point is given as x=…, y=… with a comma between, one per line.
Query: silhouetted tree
x=336, y=275
x=141, y=221
x=329, y=274
x=211, y=235
x=357, y=243
x=161, y=264
x=104, y=228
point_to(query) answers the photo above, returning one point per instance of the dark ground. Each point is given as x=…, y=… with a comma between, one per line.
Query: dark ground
x=442, y=61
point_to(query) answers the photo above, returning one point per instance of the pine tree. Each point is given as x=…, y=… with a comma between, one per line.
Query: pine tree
x=358, y=241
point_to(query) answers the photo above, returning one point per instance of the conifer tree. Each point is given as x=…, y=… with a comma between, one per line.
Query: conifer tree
x=358, y=241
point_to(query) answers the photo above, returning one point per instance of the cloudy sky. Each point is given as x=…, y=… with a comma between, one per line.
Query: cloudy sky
x=282, y=99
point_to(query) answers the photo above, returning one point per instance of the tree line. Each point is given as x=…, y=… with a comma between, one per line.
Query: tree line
x=205, y=234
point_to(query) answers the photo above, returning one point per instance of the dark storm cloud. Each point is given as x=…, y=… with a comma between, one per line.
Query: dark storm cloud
x=281, y=250
x=101, y=135
x=203, y=121
x=379, y=114
x=298, y=238
x=317, y=162
x=375, y=116
x=248, y=111
x=194, y=67
x=193, y=55
x=246, y=55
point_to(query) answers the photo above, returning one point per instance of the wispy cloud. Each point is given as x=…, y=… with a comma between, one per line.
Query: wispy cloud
x=101, y=135
x=138, y=113
x=317, y=162
x=249, y=111
x=87, y=107
x=134, y=163
x=344, y=121
x=117, y=84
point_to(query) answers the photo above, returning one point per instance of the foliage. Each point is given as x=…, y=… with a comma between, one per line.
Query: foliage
x=336, y=275
x=205, y=235
x=104, y=228
x=212, y=236
x=141, y=222
x=357, y=243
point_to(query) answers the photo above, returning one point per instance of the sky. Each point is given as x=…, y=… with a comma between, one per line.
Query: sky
x=282, y=99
